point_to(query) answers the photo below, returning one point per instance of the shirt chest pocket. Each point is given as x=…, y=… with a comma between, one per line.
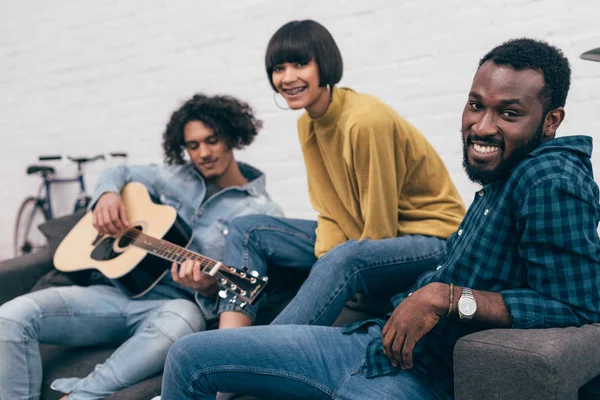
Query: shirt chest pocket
x=220, y=228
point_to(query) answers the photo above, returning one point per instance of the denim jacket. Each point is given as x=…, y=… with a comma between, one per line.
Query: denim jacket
x=184, y=188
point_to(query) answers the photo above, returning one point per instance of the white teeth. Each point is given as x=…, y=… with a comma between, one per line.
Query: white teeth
x=484, y=149
x=294, y=91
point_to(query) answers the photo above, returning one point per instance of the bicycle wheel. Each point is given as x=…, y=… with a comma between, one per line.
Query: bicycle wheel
x=28, y=238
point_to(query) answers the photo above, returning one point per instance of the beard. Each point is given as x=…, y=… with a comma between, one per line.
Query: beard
x=502, y=171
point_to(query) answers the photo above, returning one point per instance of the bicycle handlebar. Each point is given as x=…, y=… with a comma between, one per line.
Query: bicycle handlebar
x=82, y=160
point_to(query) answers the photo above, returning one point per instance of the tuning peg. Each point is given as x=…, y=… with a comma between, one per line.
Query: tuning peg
x=233, y=287
x=242, y=305
x=243, y=274
x=223, y=294
x=223, y=281
x=233, y=299
x=254, y=274
x=265, y=278
x=253, y=280
x=243, y=292
x=232, y=269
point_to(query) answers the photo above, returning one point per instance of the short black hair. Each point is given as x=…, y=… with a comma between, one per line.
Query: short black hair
x=302, y=41
x=525, y=53
x=230, y=118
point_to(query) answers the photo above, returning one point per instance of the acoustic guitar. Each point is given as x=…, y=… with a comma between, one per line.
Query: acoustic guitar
x=138, y=259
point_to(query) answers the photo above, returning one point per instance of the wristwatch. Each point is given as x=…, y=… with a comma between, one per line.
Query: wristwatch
x=467, y=306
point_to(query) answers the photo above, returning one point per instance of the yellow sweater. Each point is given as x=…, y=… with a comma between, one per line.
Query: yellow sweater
x=372, y=175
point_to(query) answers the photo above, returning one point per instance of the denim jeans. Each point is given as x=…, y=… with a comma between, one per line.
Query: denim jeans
x=90, y=316
x=376, y=268
x=284, y=362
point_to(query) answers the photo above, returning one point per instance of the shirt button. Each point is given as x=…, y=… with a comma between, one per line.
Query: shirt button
x=481, y=193
x=460, y=232
x=438, y=268
x=225, y=231
x=486, y=212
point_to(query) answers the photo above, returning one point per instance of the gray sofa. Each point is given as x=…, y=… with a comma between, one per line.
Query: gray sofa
x=493, y=364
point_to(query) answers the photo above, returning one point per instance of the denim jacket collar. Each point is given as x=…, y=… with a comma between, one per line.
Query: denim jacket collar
x=256, y=185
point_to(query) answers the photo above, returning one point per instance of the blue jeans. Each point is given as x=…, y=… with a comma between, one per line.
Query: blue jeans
x=90, y=316
x=283, y=362
x=376, y=268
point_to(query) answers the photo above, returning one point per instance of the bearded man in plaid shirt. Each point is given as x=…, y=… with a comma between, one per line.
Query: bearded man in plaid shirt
x=525, y=256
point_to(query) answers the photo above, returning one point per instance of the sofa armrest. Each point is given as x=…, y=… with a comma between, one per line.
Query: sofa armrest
x=526, y=364
x=18, y=275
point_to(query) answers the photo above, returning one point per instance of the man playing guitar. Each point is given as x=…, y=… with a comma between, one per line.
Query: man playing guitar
x=208, y=189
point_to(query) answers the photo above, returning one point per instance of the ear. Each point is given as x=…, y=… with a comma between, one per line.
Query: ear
x=553, y=120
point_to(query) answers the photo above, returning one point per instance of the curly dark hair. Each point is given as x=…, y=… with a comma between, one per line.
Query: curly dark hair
x=230, y=118
x=525, y=53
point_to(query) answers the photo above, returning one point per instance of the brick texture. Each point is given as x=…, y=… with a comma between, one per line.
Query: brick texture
x=83, y=77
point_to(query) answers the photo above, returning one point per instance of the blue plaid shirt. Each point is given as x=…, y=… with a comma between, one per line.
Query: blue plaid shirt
x=533, y=238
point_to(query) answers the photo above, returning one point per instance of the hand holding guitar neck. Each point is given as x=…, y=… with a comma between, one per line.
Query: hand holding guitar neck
x=190, y=275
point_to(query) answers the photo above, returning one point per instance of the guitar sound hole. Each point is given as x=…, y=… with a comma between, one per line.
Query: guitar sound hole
x=128, y=237
x=103, y=251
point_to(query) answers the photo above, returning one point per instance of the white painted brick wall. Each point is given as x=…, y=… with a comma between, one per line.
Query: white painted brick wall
x=82, y=77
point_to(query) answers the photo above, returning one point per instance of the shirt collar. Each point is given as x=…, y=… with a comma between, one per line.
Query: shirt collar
x=578, y=144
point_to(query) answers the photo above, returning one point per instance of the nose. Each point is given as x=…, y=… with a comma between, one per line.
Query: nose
x=485, y=125
x=204, y=150
x=289, y=75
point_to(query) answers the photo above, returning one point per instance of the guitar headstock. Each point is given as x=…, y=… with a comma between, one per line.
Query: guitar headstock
x=245, y=287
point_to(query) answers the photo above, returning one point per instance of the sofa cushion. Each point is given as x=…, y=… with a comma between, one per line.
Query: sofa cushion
x=67, y=362
x=56, y=229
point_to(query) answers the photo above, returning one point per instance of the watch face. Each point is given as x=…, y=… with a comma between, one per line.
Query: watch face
x=467, y=306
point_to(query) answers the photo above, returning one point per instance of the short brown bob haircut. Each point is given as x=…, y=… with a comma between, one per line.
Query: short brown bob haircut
x=301, y=42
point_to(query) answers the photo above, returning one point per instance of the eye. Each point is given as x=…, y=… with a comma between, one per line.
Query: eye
x=510, y=113
x=212, y=140
x=191, y=145
x=301, y=64
x=277, y=68
x=475, y=105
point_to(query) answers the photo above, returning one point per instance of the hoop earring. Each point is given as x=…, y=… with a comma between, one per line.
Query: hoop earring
x=276, y=103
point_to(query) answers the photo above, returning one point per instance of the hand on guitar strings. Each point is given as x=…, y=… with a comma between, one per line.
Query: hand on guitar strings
x=191, y=276
x=110, y=216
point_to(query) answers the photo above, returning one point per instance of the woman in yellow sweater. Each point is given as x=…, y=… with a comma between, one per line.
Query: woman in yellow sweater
x=385, y=200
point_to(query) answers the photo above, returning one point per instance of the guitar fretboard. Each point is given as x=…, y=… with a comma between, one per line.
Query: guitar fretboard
x=167, y=250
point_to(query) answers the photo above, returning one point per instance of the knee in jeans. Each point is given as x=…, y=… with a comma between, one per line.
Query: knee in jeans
x=241, y=225
x=341, y=259
x=178, y=318
x=18, y=320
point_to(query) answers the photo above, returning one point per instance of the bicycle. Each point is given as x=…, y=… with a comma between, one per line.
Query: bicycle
x=35, y=210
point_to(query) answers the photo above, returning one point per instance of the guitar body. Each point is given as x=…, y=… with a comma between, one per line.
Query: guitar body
x=133, y=270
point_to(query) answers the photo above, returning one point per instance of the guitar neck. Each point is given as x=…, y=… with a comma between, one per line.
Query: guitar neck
x=169, y=251
x=246, y=286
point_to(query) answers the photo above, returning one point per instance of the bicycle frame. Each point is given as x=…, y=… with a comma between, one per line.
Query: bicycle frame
x=45, y=186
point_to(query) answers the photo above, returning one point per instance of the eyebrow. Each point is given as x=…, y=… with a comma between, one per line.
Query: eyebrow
x=502, y=102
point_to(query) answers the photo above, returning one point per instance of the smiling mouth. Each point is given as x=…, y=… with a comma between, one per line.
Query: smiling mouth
x=485, y=149
x=208, y=164
x=294, y=91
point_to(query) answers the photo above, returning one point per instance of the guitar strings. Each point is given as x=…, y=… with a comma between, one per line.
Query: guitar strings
x=166, y=249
